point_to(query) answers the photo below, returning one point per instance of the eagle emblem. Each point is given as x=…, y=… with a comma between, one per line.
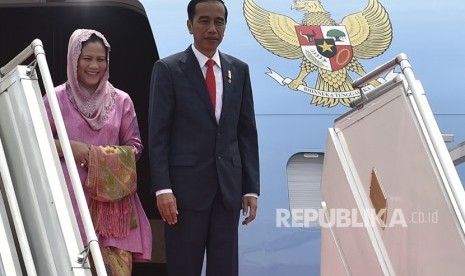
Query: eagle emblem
x=326, y=48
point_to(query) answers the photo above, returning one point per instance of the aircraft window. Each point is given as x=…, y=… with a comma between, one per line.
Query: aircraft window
x=303, y=178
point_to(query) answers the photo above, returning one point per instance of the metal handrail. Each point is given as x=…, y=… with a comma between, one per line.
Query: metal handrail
x=36, y=48
x=452, y=181
x=379, y=70
x=16, y=214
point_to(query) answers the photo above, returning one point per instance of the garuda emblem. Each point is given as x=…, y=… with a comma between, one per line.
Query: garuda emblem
x=326, y=48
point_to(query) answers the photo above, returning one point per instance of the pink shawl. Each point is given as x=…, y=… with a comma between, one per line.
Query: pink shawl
x=95, y=108
x=111, y=181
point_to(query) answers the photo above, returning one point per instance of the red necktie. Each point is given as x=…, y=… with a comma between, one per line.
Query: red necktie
x=211, y=83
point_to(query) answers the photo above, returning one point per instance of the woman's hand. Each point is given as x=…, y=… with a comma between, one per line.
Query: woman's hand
x=80, y=152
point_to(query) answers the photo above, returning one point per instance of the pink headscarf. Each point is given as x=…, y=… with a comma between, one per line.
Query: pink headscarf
x=95, y=108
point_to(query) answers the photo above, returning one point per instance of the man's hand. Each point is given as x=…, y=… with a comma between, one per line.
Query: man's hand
x=166, y=204
x=249, y=206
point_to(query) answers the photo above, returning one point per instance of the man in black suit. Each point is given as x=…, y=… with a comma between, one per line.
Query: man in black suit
x=203, y=149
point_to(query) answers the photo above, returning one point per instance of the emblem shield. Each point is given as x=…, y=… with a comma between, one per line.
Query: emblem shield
x=327, y=47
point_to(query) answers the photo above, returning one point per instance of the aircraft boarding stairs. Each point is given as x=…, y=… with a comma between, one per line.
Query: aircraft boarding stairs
x=38, y=230
x=392, y=199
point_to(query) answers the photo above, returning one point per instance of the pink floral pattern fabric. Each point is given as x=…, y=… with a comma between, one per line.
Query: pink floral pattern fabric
x=112, y=178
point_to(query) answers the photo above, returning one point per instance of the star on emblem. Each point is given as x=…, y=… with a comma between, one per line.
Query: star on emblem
x=326, y=47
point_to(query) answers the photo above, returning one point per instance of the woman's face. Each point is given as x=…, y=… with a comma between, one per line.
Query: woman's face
x=92, y=65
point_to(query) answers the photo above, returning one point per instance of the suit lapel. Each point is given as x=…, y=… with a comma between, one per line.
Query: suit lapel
x=228, y=73
x=190, y=67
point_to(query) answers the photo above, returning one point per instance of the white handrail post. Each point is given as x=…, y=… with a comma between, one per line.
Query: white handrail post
x=69, y=158
x=444, y=157
x=16, y=214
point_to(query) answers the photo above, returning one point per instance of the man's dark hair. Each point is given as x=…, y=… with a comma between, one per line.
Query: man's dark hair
x=193, y=3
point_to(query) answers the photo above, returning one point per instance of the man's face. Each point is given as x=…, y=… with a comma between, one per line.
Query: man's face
x=208, y=26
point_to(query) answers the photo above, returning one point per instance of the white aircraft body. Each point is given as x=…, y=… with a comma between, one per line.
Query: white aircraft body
x=304, y=56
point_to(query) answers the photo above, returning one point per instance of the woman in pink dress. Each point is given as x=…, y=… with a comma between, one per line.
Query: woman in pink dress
x=97, y=114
